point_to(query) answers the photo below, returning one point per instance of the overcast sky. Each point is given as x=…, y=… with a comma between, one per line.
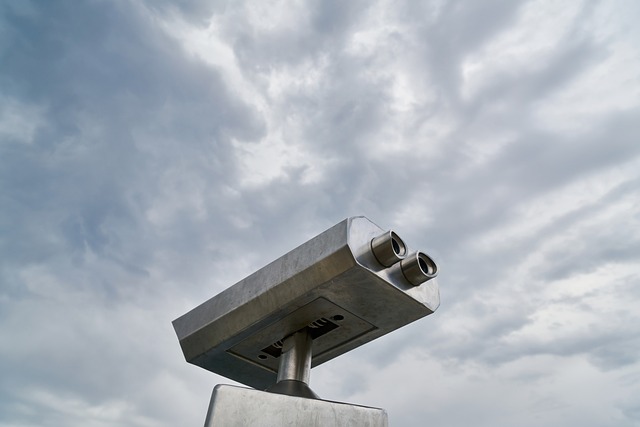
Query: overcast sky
x=153, y=153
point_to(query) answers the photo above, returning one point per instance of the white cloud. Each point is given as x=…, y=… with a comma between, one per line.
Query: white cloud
x=526, y=46
x=19, y=121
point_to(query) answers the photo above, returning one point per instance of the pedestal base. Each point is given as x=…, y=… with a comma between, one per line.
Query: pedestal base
x=233, y=406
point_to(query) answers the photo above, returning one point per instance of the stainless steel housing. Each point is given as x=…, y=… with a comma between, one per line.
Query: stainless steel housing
x=333, y=284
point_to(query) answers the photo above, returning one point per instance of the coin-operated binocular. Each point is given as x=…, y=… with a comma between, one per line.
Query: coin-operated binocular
x=345, y=287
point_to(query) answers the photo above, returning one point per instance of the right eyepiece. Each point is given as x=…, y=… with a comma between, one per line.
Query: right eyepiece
x=418, y=268
x=388, y=248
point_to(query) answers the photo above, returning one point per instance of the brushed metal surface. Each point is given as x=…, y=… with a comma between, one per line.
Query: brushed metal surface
x=333, y=274
x=232, y=406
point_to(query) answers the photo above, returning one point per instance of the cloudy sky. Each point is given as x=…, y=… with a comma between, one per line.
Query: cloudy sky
x=153, y=153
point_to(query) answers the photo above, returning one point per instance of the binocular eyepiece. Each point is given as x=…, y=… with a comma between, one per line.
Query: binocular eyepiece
x=389, y=249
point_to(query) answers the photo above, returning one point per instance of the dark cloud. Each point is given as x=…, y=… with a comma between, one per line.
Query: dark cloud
x=116, y=90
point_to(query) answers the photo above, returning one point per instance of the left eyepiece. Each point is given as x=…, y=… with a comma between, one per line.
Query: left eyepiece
x=388, y=248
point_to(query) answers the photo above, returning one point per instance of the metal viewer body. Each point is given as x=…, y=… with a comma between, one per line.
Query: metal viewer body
x=335, y=280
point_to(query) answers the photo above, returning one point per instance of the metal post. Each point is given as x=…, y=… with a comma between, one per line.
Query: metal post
x=294, y=371
x=295, y=360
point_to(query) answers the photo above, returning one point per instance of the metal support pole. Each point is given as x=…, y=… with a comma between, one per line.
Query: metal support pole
x=295, y=360
x=294, y=371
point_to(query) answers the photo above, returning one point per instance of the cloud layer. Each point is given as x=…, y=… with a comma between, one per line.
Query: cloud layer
x=154, y=153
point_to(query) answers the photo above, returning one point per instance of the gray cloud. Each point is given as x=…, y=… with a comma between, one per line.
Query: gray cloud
x=123, y=160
